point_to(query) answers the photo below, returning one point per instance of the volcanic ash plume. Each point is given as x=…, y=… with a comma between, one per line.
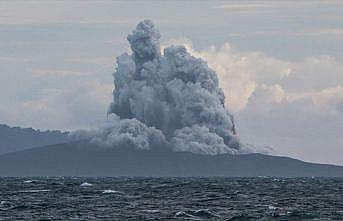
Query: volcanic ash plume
x=165, y=100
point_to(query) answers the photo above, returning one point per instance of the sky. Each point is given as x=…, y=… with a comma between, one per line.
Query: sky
x=280, y=64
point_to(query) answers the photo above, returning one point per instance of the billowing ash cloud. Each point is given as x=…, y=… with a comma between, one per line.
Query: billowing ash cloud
x=171, y=100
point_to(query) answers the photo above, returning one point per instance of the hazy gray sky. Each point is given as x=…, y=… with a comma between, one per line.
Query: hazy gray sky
x=280, y=64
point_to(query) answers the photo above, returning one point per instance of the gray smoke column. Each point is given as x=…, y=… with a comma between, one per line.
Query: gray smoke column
x=170, y=99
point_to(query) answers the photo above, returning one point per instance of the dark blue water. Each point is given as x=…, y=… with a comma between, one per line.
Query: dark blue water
x=171, y=199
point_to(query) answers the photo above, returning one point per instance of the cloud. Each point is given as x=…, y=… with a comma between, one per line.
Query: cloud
x=52, y=12
x=71, y=12
x=244, y=6
x=55, y=72
x=313, y=32
x=12, y=60
x=240, y=73
x=165, y=97
x=319, y=73
x=256, y=6
x=243, y=74
x=78, y=103
x=330, y=99
x=102, y=61
x=293, y=106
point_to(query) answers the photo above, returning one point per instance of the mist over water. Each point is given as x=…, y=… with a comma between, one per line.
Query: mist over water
x=168, y=99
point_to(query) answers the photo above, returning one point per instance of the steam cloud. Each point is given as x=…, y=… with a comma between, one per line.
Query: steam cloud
x=165, y=100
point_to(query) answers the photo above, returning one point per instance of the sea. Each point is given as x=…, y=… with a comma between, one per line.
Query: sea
x=134, y=198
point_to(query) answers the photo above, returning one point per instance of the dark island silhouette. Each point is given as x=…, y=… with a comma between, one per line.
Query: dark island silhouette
x=16, y=138
x=83, y=159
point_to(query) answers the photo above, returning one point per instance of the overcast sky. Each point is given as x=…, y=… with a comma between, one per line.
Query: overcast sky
x=280, y=64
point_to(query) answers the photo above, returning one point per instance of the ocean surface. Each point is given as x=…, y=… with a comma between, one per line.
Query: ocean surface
x=80, y=198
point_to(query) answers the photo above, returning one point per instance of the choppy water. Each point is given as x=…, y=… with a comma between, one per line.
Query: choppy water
x=171, y=199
